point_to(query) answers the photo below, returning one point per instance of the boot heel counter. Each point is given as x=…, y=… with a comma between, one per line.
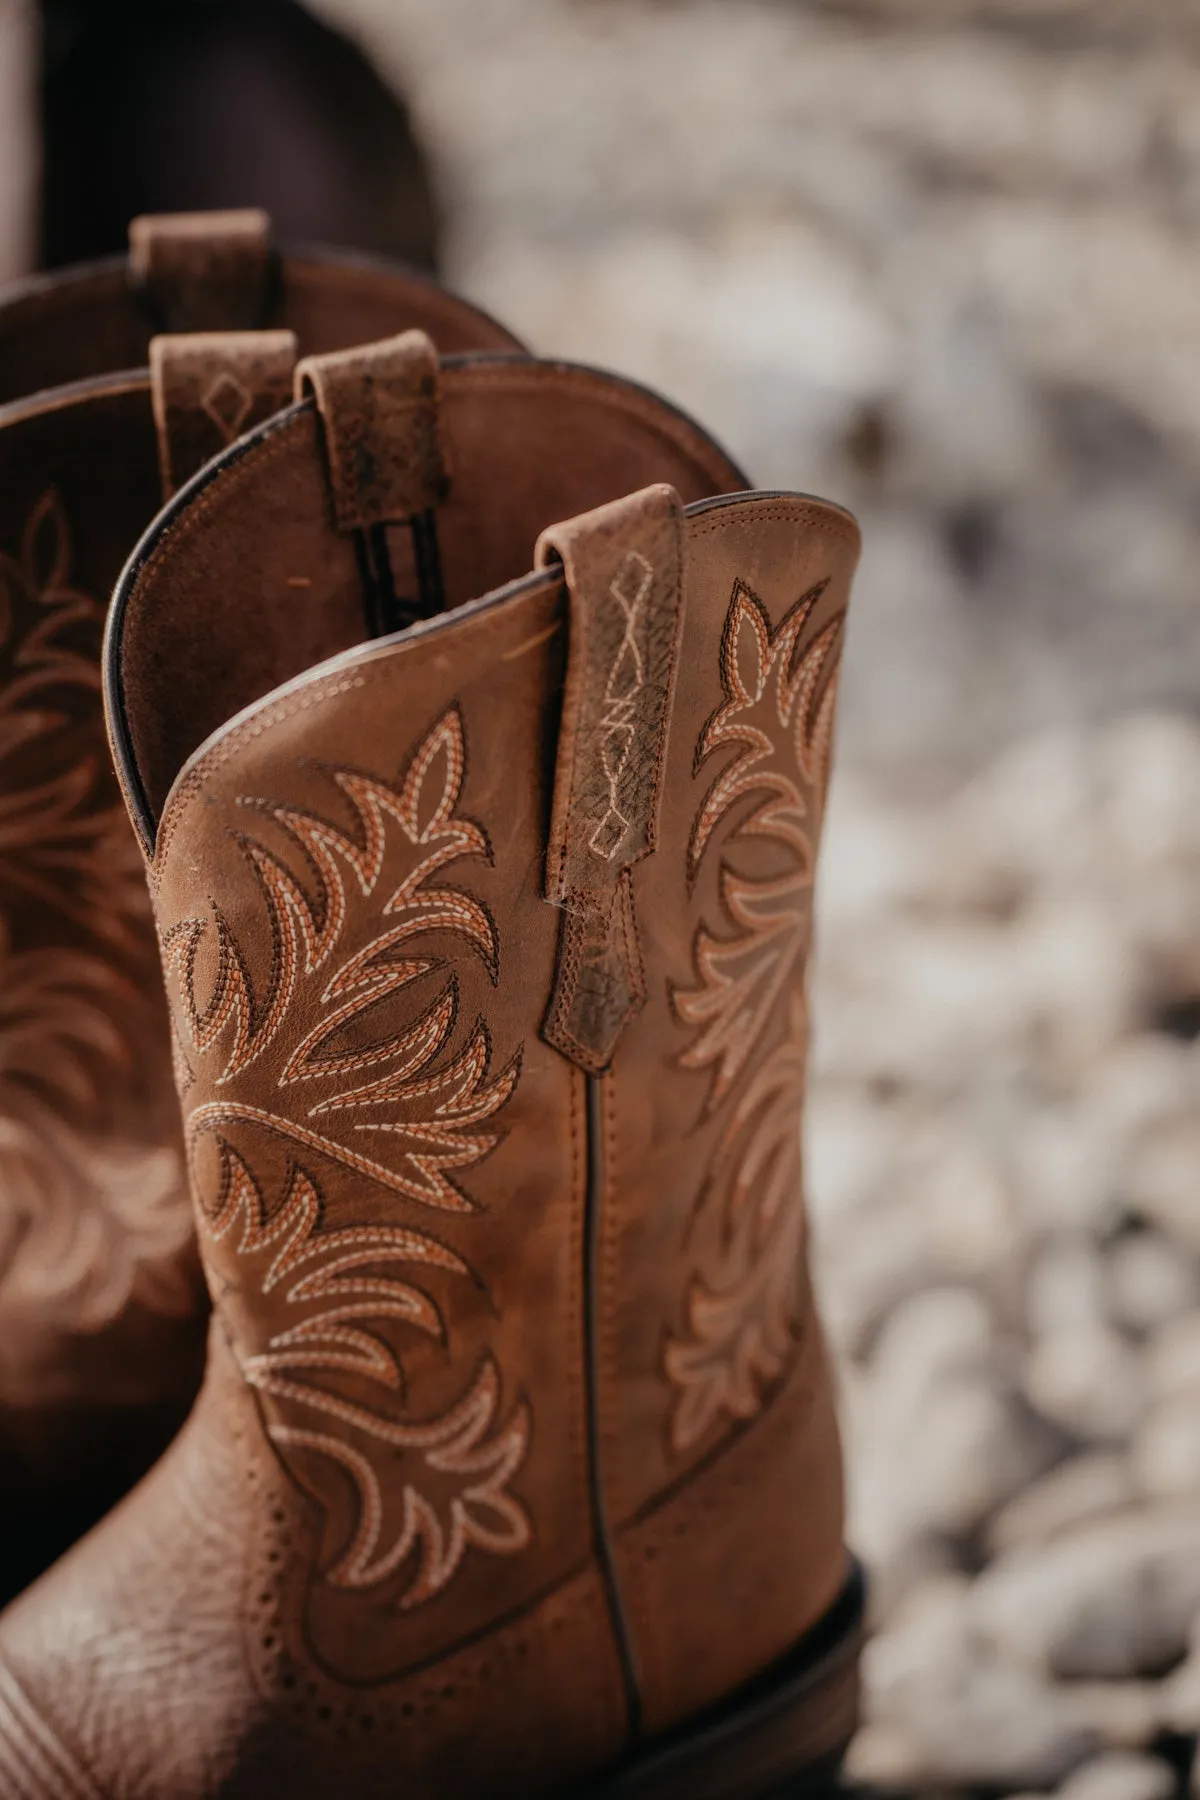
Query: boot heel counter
x=722, y=1575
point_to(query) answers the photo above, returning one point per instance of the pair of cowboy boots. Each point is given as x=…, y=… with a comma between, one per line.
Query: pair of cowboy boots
x=474, y=724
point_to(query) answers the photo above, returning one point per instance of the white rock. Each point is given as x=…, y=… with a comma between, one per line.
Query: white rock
x=1140, y=1082
x=1125, y=1715
x=849, y=1148
x=1150, y=770
x=1162, y=1179
x=1035, y=807
x=1074, y=964
x=927, y=1382
x=956, y=1714
x=1165, y=1453
x=1063, y=1171
x=989, y=1723
x=977, y=1449
x=1172, y=1359
x=1149, y=1283
x=865, y=1273
x=875, y=858
x=1114, y=1598
x=1066, y=1287
x=883, y=1756
x=1084, y=1487
x=966, y=1198
x=959, y=991
x=929, y=1629
x=1180, y=1696
x=1120, y=1775
x=896, y=1579
x=944, y=1331
x=938, y=1461
x=1087, y=1381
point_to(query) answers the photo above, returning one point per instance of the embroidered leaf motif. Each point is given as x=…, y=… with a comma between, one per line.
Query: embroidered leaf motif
x=424, y=1118
x=777, y=718
x=398, y=1096
x=88, y=1220
x=64, y=840
x=333, y=1281
x=741, y=1334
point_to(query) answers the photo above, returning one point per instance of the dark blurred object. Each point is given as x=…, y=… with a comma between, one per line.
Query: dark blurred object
x=186, y=105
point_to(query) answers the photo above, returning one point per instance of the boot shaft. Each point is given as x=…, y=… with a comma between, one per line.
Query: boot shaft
x=192, y=272
x=101, y=1304
x=485, y=950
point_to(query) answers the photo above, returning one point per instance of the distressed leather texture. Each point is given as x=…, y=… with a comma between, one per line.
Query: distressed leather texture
x=102, y=1310
x=202, y=271
x=527, y=441
x=379, y=410
x=515, y=1447
x=625, y=576
x=719, y=1455
x=97, y=317
x=208, y=388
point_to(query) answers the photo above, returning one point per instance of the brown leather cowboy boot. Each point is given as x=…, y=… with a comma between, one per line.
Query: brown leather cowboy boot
x=217, y=272
x=101, y=1305
x=515, y=1468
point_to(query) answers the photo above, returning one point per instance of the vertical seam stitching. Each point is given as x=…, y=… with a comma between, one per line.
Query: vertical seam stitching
x=594, y=1288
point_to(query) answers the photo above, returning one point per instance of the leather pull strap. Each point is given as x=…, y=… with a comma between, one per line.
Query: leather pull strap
x=379, y=405
x=202, y=271
x=624, y=570
x=209, y=387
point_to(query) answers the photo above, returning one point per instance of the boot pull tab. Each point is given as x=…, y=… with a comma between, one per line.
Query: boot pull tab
x=380, y=408
x=209, y=387
x=379, y=405
x=623, y=566
x=202, y=271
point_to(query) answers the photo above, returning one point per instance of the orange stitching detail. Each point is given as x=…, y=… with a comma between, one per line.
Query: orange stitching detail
x=777, y=716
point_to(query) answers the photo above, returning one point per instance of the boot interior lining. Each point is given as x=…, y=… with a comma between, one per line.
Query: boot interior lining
x=243, y=583
x=88, y=321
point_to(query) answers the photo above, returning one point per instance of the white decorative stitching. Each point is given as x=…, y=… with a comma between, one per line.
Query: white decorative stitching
x=425, y=1109
x=616, y=728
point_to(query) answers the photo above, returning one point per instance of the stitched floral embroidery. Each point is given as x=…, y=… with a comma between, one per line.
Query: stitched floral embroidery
x=89, y=1217
x=406, y=1108
x=747, y=1011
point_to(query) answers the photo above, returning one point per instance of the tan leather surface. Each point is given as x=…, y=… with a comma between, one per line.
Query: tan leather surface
x=391, y=1339
x=721, y=1573
x=625, y=577
x=268, y=586
x=209, y=387
x=87, y=321
x=162, y=1658
x=516, y=1389
x=704, y=1304
x=345, y=882
x=380, y=411
x=202, y=271
x=101, y=1306
x=101, y=1316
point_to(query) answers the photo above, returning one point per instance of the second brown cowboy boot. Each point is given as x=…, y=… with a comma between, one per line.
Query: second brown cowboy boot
x=101, y=1306
x=515, y=1469
x=217, y=271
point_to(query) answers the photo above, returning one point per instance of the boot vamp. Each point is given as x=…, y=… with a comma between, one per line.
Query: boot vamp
x=123, y=1669
x=165, y=1657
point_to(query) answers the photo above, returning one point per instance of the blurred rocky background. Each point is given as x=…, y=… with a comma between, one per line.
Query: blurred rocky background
x=939, y=259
